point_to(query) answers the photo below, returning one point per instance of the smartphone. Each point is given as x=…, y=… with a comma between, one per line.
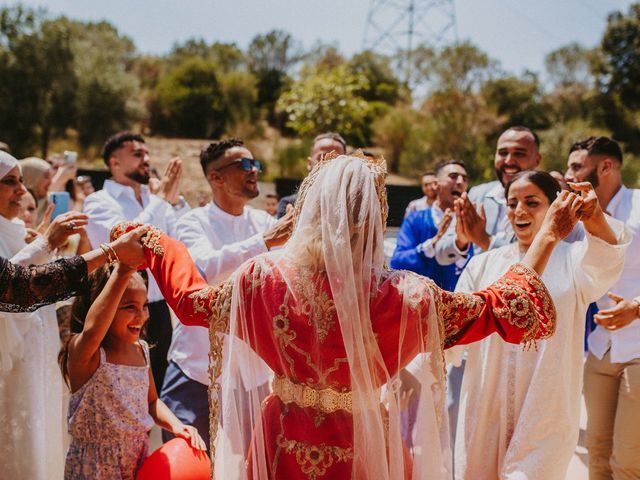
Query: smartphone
x=70, y=157
x=61, y=202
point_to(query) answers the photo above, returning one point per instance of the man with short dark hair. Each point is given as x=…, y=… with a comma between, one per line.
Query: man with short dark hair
x=429, y=189
x=612, y=369
x=322, y=144
x=220, y=236
x=483, y=211
x=421, y=230
x=126, y=197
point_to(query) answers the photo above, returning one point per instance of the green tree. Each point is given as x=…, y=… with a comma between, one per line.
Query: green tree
x=189, y=100
x=240, y=93
x=458, y=126
x=270, y=57
x=227, y=56
x=621, y=49
x=571, y=64
x=516, y=100
x=107, y=98
x=398, y=132
x=37, y=81
x=461, y=66
x=328, y=101
x=383, y=85
x=619, y=79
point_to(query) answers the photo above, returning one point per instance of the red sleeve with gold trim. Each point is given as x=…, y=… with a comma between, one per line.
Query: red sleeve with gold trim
x=517, y=306
x=182, y=286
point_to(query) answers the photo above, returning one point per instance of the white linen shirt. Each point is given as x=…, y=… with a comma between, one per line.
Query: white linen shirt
x=117, y=203
x=218, y=243
x=503, y=227
x=624, y=342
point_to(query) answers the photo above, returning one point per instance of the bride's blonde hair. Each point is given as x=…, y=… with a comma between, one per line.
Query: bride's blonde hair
x=308, y=243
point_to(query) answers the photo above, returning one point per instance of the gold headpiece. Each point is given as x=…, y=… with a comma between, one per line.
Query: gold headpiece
x=378, y=167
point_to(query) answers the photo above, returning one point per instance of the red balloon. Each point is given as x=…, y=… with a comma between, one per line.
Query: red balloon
x=176, y=460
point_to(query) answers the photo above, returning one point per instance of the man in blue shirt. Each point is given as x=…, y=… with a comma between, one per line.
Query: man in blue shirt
x=416, y=241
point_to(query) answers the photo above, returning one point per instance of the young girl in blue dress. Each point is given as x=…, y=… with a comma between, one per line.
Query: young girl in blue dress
x=114, y=402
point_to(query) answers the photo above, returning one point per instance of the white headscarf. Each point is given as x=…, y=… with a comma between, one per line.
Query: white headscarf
x=7, y=163
x=13, y=326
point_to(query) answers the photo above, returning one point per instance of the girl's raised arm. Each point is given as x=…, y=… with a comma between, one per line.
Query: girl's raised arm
x=84, y=358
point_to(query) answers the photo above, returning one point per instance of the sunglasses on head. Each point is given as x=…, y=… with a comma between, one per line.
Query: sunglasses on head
x=245, y=163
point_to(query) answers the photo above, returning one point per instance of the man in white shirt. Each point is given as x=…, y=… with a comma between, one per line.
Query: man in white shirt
x=430, y=190
x=220, y=236
x=612, y=369
x=126, y=197
x=486, y=223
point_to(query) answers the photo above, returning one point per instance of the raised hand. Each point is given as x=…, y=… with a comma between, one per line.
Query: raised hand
x=280, y=232
x=129, y=249
x=31, y=235
x=46, y=219
x=447, y=218
x=474, y=222
x=591, y=213
x=170, y=182
x=462, y=238
x=63, y=226
x=590, y=204
x=622, y=314
x=562, y=216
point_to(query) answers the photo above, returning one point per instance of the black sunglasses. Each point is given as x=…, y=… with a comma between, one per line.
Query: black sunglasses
x=246, y=163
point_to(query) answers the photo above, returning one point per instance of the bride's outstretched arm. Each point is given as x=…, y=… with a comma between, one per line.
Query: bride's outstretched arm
x=182, y=286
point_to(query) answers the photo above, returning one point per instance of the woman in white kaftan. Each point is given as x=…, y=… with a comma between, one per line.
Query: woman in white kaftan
x=32, y=416
x=519, y=409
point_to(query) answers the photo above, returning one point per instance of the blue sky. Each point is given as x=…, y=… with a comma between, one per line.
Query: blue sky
x=516, y=33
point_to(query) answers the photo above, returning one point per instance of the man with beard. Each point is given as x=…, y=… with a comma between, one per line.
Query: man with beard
x=482, y=214
x=612, y=368
x=126, y=197
x=220, y=236
x=421, y=230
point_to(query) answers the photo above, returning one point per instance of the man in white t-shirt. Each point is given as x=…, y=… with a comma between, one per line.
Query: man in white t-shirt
x=220, y=236
x=612, y=369
x=126, y=197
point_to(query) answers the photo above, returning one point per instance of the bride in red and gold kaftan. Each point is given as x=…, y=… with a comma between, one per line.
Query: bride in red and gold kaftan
x=336, y=327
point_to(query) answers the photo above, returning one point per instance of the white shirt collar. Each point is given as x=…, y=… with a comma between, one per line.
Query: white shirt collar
x=116, y=190
x=617, y=200
x=216, y=211
x=497, y=193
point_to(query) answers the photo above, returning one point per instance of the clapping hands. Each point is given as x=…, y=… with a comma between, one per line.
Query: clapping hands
x=470, y=224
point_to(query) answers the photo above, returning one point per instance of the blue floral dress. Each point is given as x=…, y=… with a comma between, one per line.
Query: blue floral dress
x=109, y=422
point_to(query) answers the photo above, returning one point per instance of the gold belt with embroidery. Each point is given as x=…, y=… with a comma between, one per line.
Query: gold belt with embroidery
x=326, y=400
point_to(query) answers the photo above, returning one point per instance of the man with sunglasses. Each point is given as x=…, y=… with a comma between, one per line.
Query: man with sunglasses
x=220, y=236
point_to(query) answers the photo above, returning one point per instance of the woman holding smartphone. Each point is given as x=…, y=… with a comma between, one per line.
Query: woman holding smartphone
x=25, y=288
x=31, y=393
